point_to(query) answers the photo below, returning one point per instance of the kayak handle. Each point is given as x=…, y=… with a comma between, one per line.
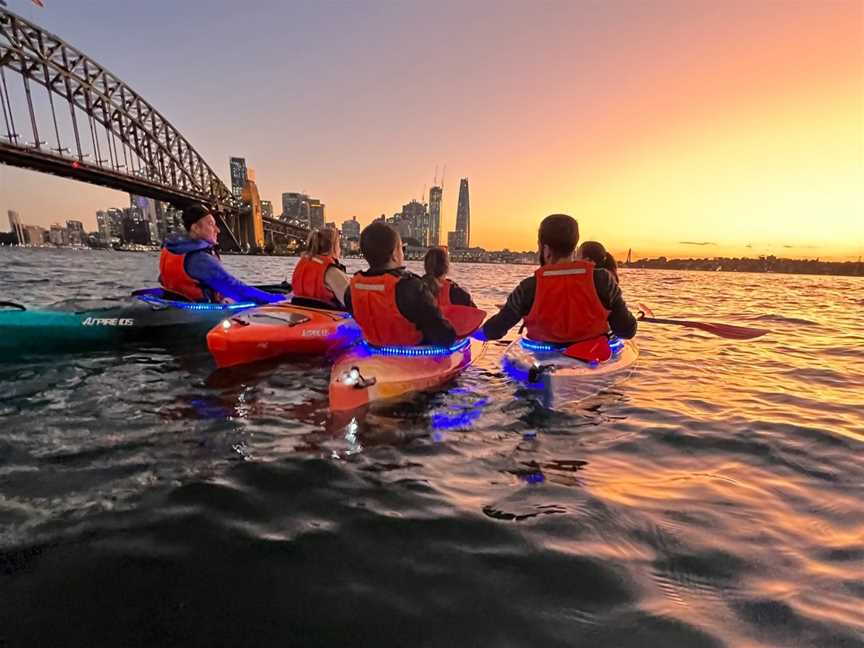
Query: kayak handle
x=5, y=304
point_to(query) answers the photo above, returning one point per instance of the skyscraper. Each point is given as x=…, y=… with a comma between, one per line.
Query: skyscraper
x=266, y=209
x=16, y=227
x=77, y=236
x=461, y=236
x=238, y=175
x=351, y=229
x=435, y=196
x=154, y=214
x=316, y=214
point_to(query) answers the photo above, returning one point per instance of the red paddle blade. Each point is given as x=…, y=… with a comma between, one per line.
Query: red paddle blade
x=726, y=330
x=596, y=350
x=464, y=319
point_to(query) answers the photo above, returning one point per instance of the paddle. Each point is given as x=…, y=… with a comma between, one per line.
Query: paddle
x=721, y=330
x=464, y=319
x=593, y=350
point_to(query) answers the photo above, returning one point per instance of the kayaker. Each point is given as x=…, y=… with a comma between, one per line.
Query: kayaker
x=189, y=265
x=391, y=305
x=318, y=276
x=565, y=300
x=594, y=251
x=437, y=265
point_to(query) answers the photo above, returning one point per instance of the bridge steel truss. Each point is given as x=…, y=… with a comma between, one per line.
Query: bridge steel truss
x=139, y=152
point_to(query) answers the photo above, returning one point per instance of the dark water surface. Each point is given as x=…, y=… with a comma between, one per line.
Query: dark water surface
x=715, y=498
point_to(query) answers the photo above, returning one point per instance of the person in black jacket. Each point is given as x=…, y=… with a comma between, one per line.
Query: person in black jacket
x=392, y=305
x=566, y=299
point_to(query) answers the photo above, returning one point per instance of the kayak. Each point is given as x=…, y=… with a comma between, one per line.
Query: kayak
x=79, y=325
x=561, y=380
x=365, y=373
x=279, y=330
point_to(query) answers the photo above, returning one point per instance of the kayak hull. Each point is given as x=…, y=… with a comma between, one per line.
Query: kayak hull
x=280, y=330
x=561, y=381
x=365, y=374
x=74, y=326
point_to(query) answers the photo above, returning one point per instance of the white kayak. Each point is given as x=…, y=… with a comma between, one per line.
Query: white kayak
x=561, y=381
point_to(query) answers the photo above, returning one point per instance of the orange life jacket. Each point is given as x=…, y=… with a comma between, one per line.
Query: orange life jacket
x=373, y=302
x=444, y=294
x=173, y=277
x=308, y=278
x=566, y=306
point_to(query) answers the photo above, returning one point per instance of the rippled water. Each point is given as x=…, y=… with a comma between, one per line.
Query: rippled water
x=716, y=498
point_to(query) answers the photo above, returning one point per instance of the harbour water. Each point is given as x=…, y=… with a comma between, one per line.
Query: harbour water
x=715, y=498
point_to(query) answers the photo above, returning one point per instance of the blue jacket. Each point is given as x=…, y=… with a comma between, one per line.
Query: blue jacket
x=206, y=268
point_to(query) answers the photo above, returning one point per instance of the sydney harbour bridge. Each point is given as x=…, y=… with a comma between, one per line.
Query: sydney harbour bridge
x=65, y=114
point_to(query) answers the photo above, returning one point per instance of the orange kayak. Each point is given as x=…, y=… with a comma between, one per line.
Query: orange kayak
x=279, y=330
x=365, y=374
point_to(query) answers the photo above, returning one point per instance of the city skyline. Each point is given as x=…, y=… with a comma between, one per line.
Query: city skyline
x=749, y=144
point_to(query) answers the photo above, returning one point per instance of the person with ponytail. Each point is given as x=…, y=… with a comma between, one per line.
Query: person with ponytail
x=594, y=251
x=437, y=265
x=319, y=279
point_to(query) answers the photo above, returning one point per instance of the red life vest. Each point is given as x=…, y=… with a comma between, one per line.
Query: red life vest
x=444, y=294
x=173, y=277
x=566, y=306
x=308, y=278
x=373, y=301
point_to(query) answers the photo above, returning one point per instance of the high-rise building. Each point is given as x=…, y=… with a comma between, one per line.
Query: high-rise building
x=77, y=235
x=35, y=235
x=238, y=175
x=351, y=229
x=436, y=195
x=154, y=214
x=316, y=214
x=416, y=222
x=16, y=227
x=462, y=238
x=266, y=209
x=295, y=207
x=58, y=235
x=136, y=229
x=104, y=226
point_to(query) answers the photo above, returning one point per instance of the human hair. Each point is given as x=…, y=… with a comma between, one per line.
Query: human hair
x=321, y=241
x=560, y=232
x=193, y=213
x=436, y=262
x=594, y=251
x=377, y=243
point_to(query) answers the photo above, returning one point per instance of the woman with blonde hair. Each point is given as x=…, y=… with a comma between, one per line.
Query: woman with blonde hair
x=318, y=276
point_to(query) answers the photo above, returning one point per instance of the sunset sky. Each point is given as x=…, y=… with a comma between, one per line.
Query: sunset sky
x=691, y=128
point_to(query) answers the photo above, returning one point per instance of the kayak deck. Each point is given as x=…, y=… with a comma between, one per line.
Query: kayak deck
x=561, y=381
x=366, y=374
x=279, y=330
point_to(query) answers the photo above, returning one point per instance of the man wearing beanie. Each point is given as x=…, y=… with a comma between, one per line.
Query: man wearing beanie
x=189, y=264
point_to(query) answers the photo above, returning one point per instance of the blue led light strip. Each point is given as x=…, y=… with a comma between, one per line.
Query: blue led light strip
x=541, y=347
x=193, y=306
x=417, y=351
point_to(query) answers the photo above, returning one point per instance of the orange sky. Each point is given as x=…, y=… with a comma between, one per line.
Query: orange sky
x=658, y=125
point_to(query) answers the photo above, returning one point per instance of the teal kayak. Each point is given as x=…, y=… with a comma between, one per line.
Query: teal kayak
x=146, y=316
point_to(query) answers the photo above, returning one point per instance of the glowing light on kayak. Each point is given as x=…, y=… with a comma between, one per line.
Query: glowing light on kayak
x=193, y=306
x=417, y=351
x=540, y=347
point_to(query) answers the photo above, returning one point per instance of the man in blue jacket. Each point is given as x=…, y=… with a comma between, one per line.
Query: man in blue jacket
x=190, y=266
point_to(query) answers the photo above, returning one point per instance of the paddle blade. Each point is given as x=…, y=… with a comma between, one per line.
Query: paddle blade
x=727, y=330
x=464, y=319
x=721, y=330
x=595, y=350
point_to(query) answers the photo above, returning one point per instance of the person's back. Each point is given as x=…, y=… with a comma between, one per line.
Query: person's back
x=190, y=267
x=391, y=305
x=447, y=292
x=318, y=276
x=565, y=300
